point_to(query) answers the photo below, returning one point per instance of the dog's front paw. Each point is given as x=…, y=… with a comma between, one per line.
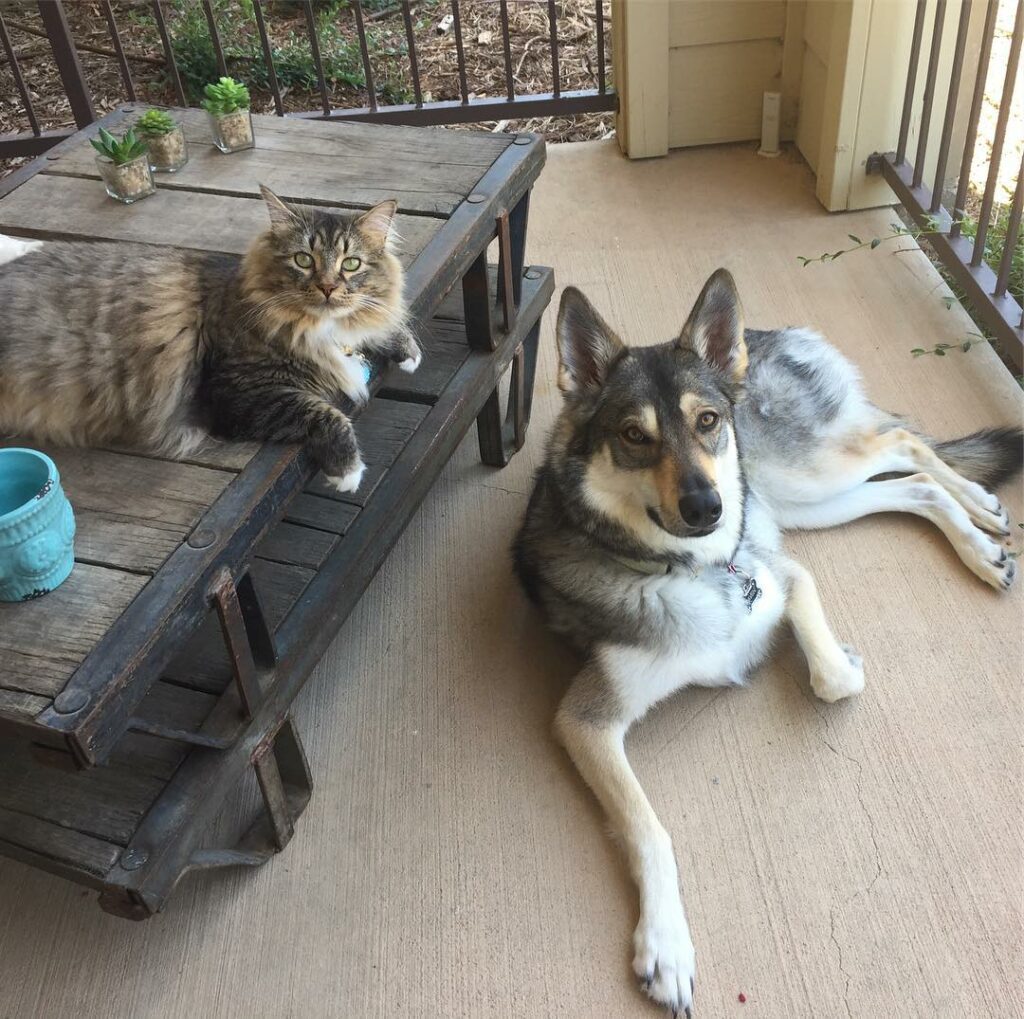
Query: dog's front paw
x=350, y=480
x=664, y=960
x=838, y=678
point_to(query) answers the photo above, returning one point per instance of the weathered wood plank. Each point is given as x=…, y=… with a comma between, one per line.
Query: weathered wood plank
x=294, y=545
x=18, y=705
x=425, y=171
x=75, y=208
x=224, y=456
x=107, y=802
x=384, y=427
x=133, y=511
x=324, y=514
x=42, y=642
x=444, y=350
x=83, y=852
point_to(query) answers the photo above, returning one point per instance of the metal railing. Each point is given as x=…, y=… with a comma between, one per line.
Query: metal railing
x=986, y=288
x=468, y=108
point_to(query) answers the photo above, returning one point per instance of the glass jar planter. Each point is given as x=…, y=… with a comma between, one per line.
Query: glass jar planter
x=232, y=132
x=127, y=182
x=167, y=152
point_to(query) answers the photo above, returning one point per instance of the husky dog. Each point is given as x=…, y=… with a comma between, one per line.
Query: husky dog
x=652, y=539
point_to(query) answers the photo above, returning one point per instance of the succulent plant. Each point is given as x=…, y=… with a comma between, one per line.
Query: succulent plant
x=119, y=150
x=225, y=96
x=155, y=122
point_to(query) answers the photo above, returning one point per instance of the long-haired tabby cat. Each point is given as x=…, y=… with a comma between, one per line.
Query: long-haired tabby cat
x=161, y=347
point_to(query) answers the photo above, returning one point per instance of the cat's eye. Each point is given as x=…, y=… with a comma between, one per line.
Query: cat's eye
x=634, y=435
x=303, y=260
x=707, y=420
x=351, y=264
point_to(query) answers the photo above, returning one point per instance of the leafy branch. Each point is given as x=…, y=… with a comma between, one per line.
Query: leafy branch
x=939, y=350
x=931, y=226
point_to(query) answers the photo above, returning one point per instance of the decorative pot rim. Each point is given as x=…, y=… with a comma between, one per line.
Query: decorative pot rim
x=21, y=513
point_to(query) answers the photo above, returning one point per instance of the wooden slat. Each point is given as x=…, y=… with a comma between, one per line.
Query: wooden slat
x=444, y=349
x=132, y=511
x=294, y=545
x=106, y=802
x=42, y=642
x=75, y=208
x=82, y=852
x=225, y=456
x=358, y=164
x=323, y=514
x=23, y=706
x=383, y=429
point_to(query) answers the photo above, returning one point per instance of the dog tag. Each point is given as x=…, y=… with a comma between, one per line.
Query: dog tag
x=751, y=592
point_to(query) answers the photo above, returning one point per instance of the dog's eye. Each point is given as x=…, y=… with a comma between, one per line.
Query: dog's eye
x=303, y=260
x=707, y=420
x=351, y=264
x=634, y=435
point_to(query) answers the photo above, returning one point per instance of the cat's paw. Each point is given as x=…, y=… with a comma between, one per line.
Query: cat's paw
x=414, y=359
x=350, y=480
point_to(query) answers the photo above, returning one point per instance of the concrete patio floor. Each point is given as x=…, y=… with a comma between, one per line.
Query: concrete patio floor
x=849, y=861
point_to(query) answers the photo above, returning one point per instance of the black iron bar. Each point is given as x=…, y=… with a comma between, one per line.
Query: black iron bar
x=172, y=67
x=954, y=88
x=929, y=91
x=971, y=138
x=556, y=87
x=218, y=50
x=460, y=53
x=115, y=38
x=19, y=81
x=371, y=92
x=314, y=48
x=601, y=83
x=1012, y=64
x=410, y=39
x=268, y=56
x=908, y=96
x=1012, y=233
x=510, y=87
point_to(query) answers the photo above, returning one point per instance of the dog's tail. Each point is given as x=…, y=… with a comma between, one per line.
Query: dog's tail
x=988, y=457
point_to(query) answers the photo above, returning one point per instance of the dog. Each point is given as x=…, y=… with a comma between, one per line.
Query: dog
x=652, y=539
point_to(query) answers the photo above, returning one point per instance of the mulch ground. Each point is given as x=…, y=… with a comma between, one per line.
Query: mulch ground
x=436, y=53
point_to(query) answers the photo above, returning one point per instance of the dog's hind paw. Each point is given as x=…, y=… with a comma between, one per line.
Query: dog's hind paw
x=991, y=562
x=664, y=962
x=834, y=680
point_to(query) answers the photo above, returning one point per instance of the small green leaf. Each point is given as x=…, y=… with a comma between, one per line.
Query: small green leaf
x=966, y=346
x=855, y=238
x=948, y=302
x=875, y=243
x=940, y=352
x=918, y=351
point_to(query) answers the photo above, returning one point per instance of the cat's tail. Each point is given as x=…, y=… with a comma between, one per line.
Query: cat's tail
x=988, y=457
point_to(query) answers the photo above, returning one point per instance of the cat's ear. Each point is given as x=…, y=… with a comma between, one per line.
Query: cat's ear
x=280, y=214
x=587, y=345
x=714, y=330
x=375, y=224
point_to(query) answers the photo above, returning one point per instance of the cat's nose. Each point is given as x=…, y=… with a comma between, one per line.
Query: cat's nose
x=326, y=289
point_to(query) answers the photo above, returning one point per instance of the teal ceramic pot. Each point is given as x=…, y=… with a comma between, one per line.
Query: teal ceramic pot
x=37, y=527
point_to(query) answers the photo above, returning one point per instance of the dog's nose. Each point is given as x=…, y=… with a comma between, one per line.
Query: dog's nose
x=700, y=507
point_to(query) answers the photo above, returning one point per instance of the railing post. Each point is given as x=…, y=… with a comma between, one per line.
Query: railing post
x=68, y=65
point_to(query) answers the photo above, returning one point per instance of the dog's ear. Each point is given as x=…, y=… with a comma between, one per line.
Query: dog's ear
x=587, y=346
x=714, y=330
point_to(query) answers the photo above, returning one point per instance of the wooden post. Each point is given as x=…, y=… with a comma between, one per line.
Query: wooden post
x=640, y=42
x=75, y=88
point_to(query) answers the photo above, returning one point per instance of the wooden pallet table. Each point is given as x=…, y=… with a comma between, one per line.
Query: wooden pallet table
x=134, y=699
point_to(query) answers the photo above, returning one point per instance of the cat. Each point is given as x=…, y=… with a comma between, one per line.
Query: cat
x=162, y=348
